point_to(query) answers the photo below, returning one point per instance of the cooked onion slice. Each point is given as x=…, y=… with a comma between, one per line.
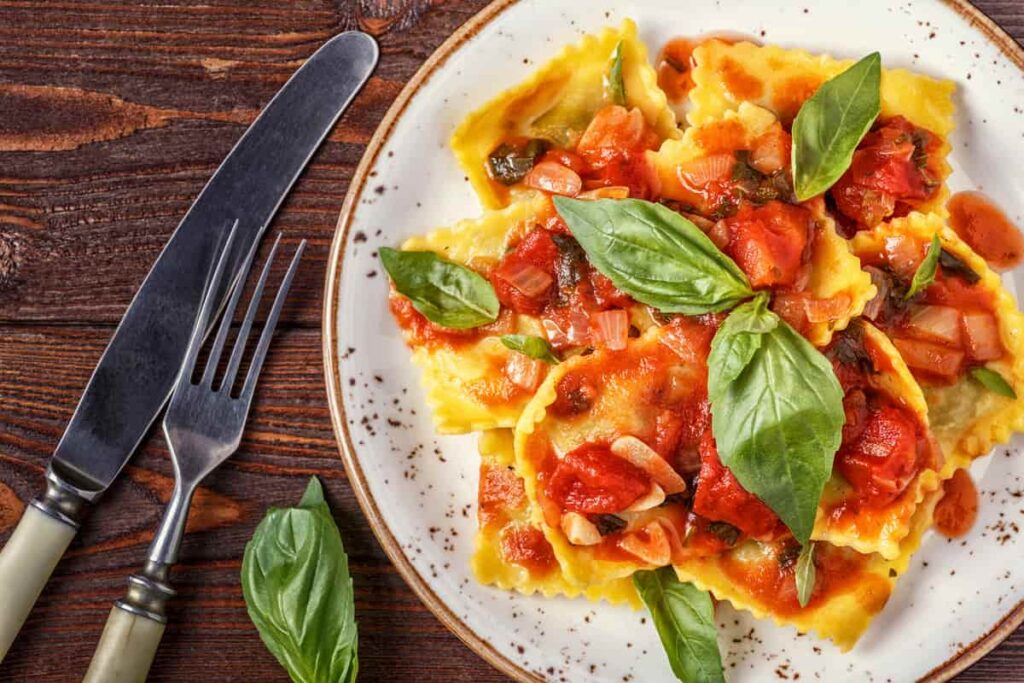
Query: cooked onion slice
x=611, y=329
x=526, y=277
x=638, y=453
x=580, y=530
x=523, y=371
x=930, y=358
x=652, y=499
x=982, y=336
x=937, y=323
x=650, y=544
x=552, y=177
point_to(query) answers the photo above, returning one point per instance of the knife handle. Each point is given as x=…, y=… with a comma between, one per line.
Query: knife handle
x=26, y=562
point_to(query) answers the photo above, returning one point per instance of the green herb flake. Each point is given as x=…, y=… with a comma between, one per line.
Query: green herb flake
x=446, y=293
x=776, y=413
x=805, y=574
x=993, y=381
x=684, y=616
x=831, y=124
x=655, y=255
x=925, y=274
x=616, y=84
x=298, y=591
x=528, y=345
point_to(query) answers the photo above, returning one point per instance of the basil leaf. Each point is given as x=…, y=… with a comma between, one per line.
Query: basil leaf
x=655, y=255
x=831, y=124
x=925, y=273
x=685, y=618
x=806, y=574
x=446, y=293
x=778, y=417
x=298, y=591
x=993, y=381
x=528, y=345
x=616, y=86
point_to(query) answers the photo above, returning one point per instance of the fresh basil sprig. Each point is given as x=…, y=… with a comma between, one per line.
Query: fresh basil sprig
x=685, y=619
x=925, y=273
x=776, y=412
x=806, y=574
x=529, y=345
x=616, y=84
x=299, y=593
x=446, y=293
x=831, y=124
x=993, y=381
x=655, y=255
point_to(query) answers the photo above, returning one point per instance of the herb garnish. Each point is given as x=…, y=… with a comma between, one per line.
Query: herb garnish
x=528, y=345
x=616, y=84
x=655, y=255
x=993, y=381
x=446, y=293
x=508, y=164
x=956, y=267
x=298, y=591
x=831, y=124
x=609, y=524
x=805, y=574
x=685, y=618
x=925, y=273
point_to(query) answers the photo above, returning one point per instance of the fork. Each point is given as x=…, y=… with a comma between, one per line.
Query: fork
x=203, y=426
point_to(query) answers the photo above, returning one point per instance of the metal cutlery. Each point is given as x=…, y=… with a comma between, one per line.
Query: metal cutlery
x=134, y=378
x=203, y=426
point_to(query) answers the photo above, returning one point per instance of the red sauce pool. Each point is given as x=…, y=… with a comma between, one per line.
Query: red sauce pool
x=987, y=230
x=956, y=512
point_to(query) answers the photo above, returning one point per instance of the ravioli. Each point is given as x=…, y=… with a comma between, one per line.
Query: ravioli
x=781, y=80
x=557, y=102
x=966, y=419
x=836, y=288
x=511, y=550
x=466, y=386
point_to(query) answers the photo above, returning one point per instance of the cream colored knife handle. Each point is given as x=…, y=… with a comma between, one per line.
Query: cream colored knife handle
x=126, y=648
x=26, y=563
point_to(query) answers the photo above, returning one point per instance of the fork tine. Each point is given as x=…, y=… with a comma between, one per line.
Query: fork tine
x=195, y=342
x=229, y=315
x=268, y=330
x=250, y=315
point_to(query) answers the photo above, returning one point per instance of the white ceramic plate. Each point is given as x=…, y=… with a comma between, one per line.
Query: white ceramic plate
x=419, y=490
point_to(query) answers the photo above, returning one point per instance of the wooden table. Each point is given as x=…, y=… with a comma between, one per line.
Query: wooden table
x=113, y=114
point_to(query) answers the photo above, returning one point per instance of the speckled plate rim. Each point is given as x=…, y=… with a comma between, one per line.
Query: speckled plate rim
x=970, y=654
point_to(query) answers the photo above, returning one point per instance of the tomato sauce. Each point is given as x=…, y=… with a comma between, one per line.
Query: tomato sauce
x=501, y=492
x=676, y=62
x=527, y=547
x=986, y=229
x=956, y=513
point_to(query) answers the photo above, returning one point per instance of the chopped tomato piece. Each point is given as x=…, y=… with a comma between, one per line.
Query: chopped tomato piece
x=981, y=332
x=930, y=359
x=771, y=151
x=889, y=173
x=720, y=497
x=566, y=158
x=768, y=242
x=855, y=407
x=882, y=460
x=607, y=295
x=527, y=547
x=592, y=480
x=613, y=147
x=530, y=265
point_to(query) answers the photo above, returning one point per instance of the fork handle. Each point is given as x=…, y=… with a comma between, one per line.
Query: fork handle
x=134, y=629
x=26, y=562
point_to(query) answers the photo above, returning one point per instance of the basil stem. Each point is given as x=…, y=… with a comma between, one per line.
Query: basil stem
x=831, y=124
x=805, y=574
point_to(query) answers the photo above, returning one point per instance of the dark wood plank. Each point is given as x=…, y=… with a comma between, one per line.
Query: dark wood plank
x=113, y=113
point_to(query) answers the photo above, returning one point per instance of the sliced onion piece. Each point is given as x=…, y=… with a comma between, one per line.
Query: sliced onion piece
x=635, y=451
x=526, y=277
x=552, y=177
x=650, y=544
x=699, y=172
x=771, y=151
x=610, y=329
x=930, y=358
x=882, y=283
x=523, y=371
x=904, y=255
x=936, y=323
x=580, y=530
x=652, y=499
x=609, y=192
x=982, y=337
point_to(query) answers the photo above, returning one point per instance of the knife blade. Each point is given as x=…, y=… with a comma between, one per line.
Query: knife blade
x=136, y=373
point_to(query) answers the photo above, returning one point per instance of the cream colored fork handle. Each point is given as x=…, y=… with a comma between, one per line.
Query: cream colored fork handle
x=126, y=648
x=26, y=563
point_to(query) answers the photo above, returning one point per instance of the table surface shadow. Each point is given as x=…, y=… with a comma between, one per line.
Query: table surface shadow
x=113, y=114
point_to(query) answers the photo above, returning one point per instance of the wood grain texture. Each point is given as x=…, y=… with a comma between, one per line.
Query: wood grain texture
x=113, y=114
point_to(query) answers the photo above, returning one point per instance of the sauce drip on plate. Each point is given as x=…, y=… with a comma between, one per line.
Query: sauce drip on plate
x=956, y=512
x=987, y=230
